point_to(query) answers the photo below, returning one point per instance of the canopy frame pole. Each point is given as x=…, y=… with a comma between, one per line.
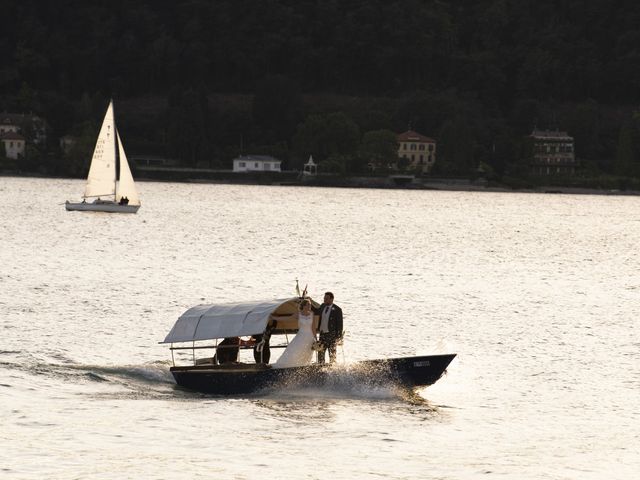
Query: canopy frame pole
x=193, y=351
x=173, y=358
x=241, y=347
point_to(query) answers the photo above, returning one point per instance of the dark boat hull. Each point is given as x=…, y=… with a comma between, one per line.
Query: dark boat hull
x=404, y=372
x=109, y=207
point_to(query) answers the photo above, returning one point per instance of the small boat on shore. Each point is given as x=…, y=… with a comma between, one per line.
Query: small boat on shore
x=110, y=193
x=202, y=326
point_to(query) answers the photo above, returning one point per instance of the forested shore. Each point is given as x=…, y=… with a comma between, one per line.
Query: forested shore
x=200, y=81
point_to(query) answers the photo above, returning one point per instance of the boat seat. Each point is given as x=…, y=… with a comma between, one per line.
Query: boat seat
x=205, y=361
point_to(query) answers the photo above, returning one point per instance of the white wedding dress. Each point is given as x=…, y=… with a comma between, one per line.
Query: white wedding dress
x=300, y=350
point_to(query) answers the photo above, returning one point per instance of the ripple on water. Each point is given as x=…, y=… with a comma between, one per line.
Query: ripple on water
x=536, y=293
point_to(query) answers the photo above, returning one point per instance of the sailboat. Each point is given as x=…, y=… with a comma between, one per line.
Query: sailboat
x=107, y=192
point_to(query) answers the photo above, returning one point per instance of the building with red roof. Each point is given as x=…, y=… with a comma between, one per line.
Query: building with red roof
x=418, y=150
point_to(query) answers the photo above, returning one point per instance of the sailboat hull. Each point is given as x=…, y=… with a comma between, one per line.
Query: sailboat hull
x=109, y=207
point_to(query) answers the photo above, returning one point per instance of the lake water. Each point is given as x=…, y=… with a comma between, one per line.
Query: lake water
x=539, y=295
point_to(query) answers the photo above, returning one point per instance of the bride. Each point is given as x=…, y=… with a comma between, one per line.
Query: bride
x=300, y=350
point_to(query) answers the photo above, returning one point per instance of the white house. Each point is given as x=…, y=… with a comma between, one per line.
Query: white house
x=18, y=129
x=256, y=163
x=13, y=143
x=29, y=125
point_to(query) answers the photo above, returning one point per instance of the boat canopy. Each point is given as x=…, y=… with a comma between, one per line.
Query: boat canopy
x=207, y=322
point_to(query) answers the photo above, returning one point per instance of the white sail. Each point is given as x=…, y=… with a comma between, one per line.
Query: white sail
x=102, y=173
x=126, y=185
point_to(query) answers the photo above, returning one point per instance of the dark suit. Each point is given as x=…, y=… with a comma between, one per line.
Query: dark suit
x=329, y=339
x=261, y=350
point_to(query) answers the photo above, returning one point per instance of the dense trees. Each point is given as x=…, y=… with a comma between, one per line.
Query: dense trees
x=482, y=72
x=627, y=161
x=380, y=147
x=332, y=136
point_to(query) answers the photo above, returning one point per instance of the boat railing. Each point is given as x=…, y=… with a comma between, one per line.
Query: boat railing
x=215, y=347
x=243, y=347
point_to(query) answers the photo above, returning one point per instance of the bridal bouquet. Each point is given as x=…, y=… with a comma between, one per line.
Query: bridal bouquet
x=316, y=346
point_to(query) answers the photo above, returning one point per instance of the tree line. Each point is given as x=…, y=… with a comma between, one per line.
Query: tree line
x=199, y=78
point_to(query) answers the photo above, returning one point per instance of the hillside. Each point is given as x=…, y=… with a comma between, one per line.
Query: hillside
x=202, y=75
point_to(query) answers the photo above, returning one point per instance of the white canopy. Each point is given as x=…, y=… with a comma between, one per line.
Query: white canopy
x=205, y=322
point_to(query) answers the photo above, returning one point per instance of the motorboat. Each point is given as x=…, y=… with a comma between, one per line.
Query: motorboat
x=206, y=329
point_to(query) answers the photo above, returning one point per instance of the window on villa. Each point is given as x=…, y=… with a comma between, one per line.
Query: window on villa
x=10, y=144
x=413, y=146
x=421, y=147
x=256, y=165
x=267, y=166
x=242, y=164
x=431, y=147
x=421, y=158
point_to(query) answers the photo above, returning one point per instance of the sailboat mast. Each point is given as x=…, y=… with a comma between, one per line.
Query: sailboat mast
x=116, y=159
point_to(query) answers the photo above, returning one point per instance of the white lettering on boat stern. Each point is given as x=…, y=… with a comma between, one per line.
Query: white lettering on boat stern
x=424, y=363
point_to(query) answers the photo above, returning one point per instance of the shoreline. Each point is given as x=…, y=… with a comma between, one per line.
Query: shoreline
x=291, y=179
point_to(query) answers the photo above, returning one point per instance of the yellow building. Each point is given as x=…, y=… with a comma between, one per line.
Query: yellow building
x=418, y=150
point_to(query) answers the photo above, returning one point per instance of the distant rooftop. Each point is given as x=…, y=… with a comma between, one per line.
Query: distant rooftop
x=11, y=136
x=411, y=136
x=257, y=158
x=551, y=134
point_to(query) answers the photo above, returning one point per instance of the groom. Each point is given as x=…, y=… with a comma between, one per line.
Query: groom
x=330, y=327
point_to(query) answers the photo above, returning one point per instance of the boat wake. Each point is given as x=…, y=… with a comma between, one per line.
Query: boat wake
x=154, y=380
x=345, y=382
x=150, y=374
x=153, y=377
